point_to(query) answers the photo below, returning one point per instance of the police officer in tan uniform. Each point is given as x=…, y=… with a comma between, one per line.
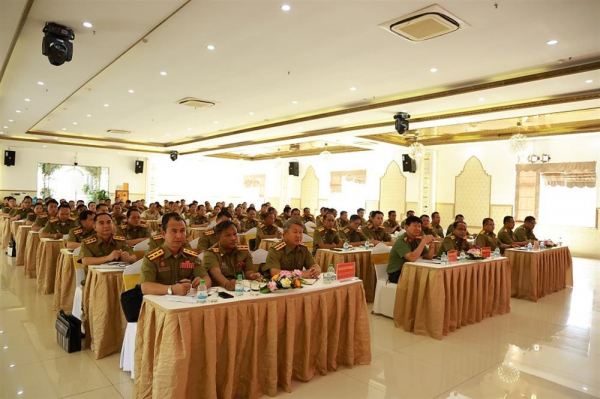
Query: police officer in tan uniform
x=118, y=217
x=435, y=224
x=135, y=231
x=342, y=221
x=60, y=225
x=326, y=236
x=426, y=228
x=42, y=219
x=208, y=238
x=525, y=231
x=408, y=214
x=172, y=268
x=225, y=260
x=21, y=212
x=391, y=225
x=457, y=218
x=506, y=234
x=487, y=238
x=291, y=254
x=250, y=221
x=266, y=229
x=151, y=213
x=375, y=231
x=351, y=232
x=38, y=209
x=83, y=231
x=457, y=240
x=307, y=216
x=199, y=219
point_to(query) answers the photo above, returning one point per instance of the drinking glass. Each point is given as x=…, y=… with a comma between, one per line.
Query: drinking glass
x=255, y=287
x=246, y=285
x=213, y=295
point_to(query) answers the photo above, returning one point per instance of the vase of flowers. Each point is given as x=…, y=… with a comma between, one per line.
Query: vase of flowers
x=549, y=243
x=475, y=253
x=285, y=280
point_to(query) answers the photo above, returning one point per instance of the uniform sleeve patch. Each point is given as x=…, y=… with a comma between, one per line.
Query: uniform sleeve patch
x=158, y=237
x=190, y=252
x=72, y=218
x=90, y=240
x=157, y=253
x=321, y=229
x=215, y=250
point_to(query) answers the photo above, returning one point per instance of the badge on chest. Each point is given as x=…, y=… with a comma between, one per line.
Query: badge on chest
x=186, y=265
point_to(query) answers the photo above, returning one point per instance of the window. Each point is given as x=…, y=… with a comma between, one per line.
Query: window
x=561, y=205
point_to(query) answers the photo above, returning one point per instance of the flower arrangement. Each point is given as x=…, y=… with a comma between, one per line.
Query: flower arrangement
x=285, y=280
x=475, y=253
x=549, y=244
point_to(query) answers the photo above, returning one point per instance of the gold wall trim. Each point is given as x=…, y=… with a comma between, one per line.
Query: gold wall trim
x=92, y=138
x=15, y=37
x=105, y=147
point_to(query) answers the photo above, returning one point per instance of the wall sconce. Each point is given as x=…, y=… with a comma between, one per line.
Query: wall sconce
x=545, y=158
x=534, y=158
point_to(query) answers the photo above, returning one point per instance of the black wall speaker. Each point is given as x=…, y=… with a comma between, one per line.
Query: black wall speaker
x=408, y=164
x=9, y=158
x=294, y=169
x=139, y=167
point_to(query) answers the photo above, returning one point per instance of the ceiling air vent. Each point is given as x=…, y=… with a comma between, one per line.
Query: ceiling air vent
x=194, y=102
x=424, y=24
x=118, y=131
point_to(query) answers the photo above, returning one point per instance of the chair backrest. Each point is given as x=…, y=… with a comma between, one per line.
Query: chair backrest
x=159, y=220
x=309, y=229
x=380, y=259
x=381, y=272
x=306, y=238
x=259, y=256
x=131, y=275
x=250, y=234
x=310, y=224
x=212, y=224
x=76, y=252
x=381, y=248
x=142, y=246
x=194, y=243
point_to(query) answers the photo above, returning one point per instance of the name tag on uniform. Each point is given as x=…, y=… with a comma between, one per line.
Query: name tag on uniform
x=187, y=265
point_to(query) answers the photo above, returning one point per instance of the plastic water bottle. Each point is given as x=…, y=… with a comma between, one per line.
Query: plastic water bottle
x=330, y=275
x=542, y=246
x=496, y=253
x=346, y=245
x=367, y=244
x=239, y=286
x=529, y=247
x=444, y=259
x=462, y=257
x=202, y=292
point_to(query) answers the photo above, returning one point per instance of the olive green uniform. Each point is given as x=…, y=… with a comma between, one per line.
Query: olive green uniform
x=263, y=229
x=31, y=216
x=451, y=229
x=438, y=230
x=306, y=219
x=283, y=257
x=95, y=247
x=195, y=219
x=324, y=236
x=319, y=221
x=451, y=242
x=522, y=233
x=230, y=263
x=379, y=234
x=207, y=239
x=403, y=224
x=352, y=235
x=54, y=226
x=156, y=241
x=507, y=236
x=6, y=210
x=388, y=224
x=247, y=224
x=341, y=224
x=150, y=215
x=278, y=222
x=403, y=245
x=78, y=234
x=133, y=233
x=41, y=220
x=485, y=239
x=162, y=267
x=21, y=213
x=428, y=231
x=120, y=219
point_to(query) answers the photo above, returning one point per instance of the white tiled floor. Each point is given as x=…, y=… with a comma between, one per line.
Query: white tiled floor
x=549, y=349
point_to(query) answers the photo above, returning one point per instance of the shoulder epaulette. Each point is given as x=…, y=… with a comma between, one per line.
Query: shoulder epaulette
x=53, y=220
x=302, y=244
x=242, y=247
x=123, y=227
x=30, y=213
x=333, y=229
x=119, y=238
x=346, y=230
x=321, y=229
x=72, y=218
x=190, y=252
x=143, y=225
x=482, y=232
x=43, y=215
x=209, y=232
x=90, y=240
x=157, y=253
x=78, y=231
x=215, y=249
x=280, y=246
x=158, y=237
x=261, y=225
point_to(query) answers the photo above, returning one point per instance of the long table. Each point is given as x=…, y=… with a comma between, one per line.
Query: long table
x=435, y=300
x=538, y=273
x=365, y=270
x=47, y=256
x=31, y=247
x=64, y=284
x=249, y=346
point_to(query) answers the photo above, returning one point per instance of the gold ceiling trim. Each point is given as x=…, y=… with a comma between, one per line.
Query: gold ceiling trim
x=92, y=138
x=290, y=154
x=409, y=98
x=105, y=147
x=15, y=37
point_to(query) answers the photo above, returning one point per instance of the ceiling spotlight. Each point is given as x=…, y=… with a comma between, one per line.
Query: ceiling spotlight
x=163, y=73
x=210, y=47
x=216, y=122
x=6, y=127
x=189, y=128
x=552, y=42
x=106, y=105
x=589, y=81
x=56, y=45
x=74, y=123
x=545, y=158
x=131, y=91
x=533, y=158
x=18, y=111
x=11, y=120
x=1, y=132
x=40, y=83
x=64, y=128
x=250, y=113
x=286, y=7
x=433, y=70
x=27, y=100
x=353, y=88
x=481, y=99
x=44, y=146
x=88, y=115
x=87, y=24
x=294, y=102
x=401, y=122
x=151, y=139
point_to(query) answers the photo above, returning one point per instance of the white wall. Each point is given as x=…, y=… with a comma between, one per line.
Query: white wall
x=23, y=176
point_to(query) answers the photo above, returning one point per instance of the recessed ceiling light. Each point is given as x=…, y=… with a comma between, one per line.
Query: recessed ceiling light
x=433, y=70
x=584, y=388
x=44, y=146
x=40, y=83
x=552, y=42
x=131, y=91
x=74, y=123
x=294, y=102
x=346, y=120
x=11, y=120
x=87, y=24
x=21, y=392
x=28, y=100
x=286, y=7
x=151, y=139
x=353, y=88
x=106, y=105
x=89, y=116
x=163, y=73
x=210, y=47
x=1, y=132
x=168, y=134
x=6, y=127
x=56, y=138
x=300, y=128
x=589, y=81
x=12, y=365
x=64, y=128
x=481, y=98
x=189, y=128
x=216, y=122
x=18, y=111
x=250, y=113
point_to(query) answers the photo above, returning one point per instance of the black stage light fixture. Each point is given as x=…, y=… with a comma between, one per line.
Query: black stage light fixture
x=401, y=123
x=174, y=155
x=56, y=45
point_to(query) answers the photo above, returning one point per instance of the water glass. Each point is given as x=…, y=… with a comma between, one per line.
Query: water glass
x=213, y=295
x=255, y=287
x=246, y=285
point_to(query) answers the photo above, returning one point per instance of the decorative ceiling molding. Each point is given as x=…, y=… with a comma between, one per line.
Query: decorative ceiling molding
x=15, y=37
x=104, y=147
x=290, y=154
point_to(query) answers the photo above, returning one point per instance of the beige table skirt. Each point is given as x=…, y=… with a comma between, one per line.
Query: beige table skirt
x=21, y=239
x=31, y=247
x=250, y=348
x=103, y=317
x=364, y=267
x=48, y=252
x=539, y=273
x=435, y=302
x=5, y=232
x=64, y=283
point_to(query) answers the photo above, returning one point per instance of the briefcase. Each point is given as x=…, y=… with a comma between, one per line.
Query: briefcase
x=68, y=332
x=11, y=250
x=131, y=302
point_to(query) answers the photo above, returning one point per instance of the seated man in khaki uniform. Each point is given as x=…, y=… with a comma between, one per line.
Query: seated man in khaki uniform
x=151, y=213
x=60, y=225
x=525, y=231
x=278, y=222
x=267, y=229
x=225, y=260
x=361, y=214
x=191, y=210
x=326, y=236
x=319, y=219
x=172, y=268
x=134, y=231
x=391, y=225
x=375, y=231
x=12, y=203
x=250, y=221
x=291, y=254
x=457, y=240
x=343, y=221
x=38, y=209
x=208, y=238
x=42, y=219
x=351, y=232
x=296, y=216
x=408, y=214
x=199, y=219
x=457, y=218
x=487, y=238
x=435, y=224
x=409, y=247
x=92, y=206
x=83, y=231
x=119, y=218
x=287, y=213
x=506, y=234
x=426, y=228
x=102, y=208
x=21, y=212
x=307, y=216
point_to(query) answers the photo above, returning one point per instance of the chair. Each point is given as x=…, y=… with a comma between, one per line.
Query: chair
x=385, y=292
x=308, y=241
x=131, y=277
x=194, y=243
x=141, y=247
x=79, y=276
x=250, y=237
x=310, y=224
x=259, y=257
x=211, y=224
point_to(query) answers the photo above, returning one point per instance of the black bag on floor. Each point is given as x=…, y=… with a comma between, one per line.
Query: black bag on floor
x=68, y=332
x=131, y=302
x=11, y=250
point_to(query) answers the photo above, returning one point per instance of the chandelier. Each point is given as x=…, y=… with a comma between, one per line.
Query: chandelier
x=517, y=143
x=416, y=150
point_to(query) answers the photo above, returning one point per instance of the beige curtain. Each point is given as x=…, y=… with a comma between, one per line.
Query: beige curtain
x=255, y=181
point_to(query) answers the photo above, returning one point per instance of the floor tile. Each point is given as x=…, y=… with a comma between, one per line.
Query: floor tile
x=75, y=374
x=102, y=393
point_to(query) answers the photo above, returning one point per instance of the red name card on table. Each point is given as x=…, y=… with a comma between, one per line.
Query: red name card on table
x=486, y=252
x=452, y=256
x=346, y=270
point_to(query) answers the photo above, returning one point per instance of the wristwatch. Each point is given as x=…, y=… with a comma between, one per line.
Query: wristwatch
x=169, y=290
